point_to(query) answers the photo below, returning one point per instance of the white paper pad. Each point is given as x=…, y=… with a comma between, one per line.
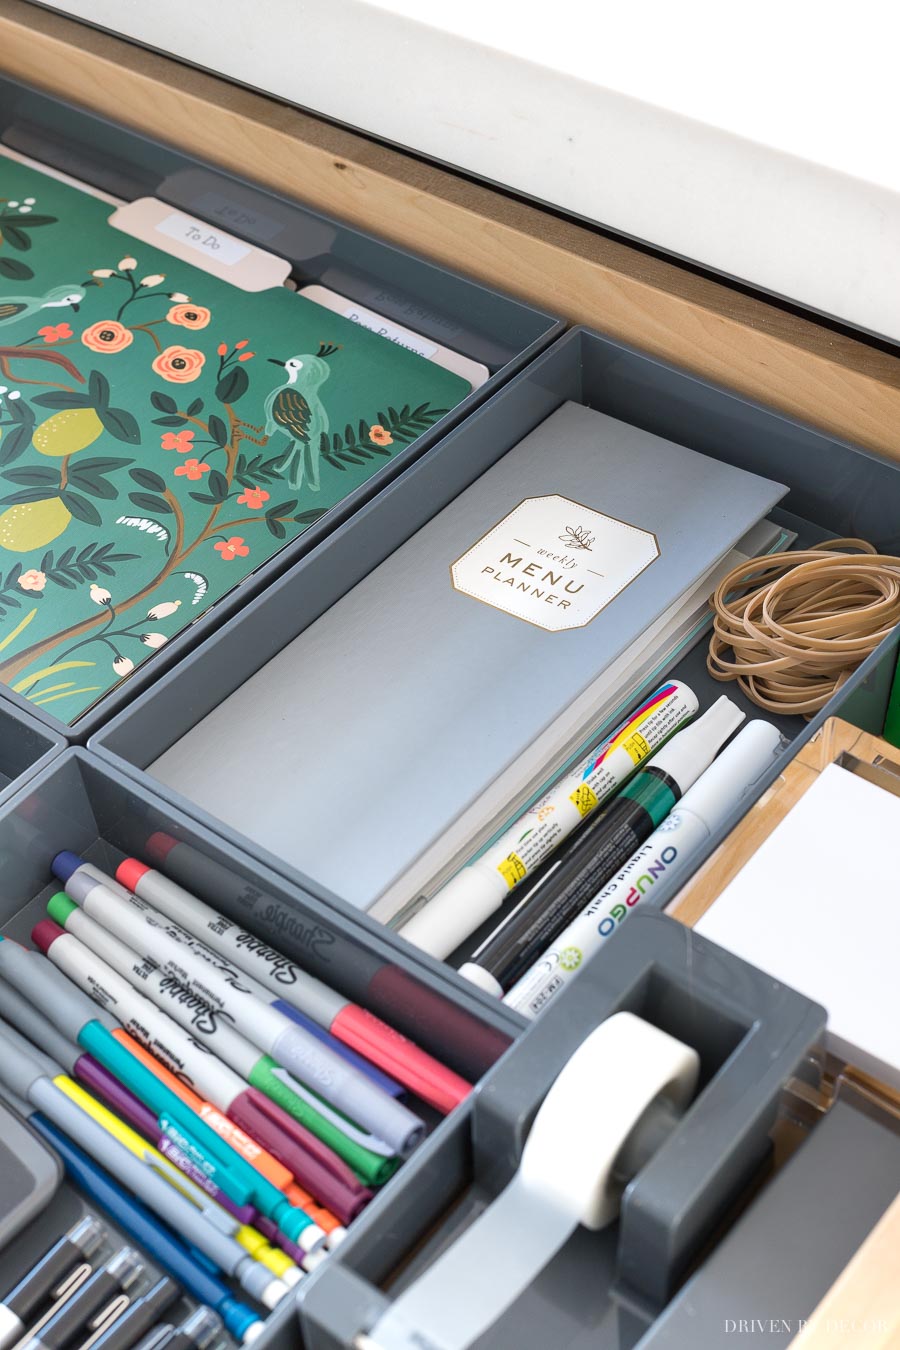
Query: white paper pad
x=818, y=907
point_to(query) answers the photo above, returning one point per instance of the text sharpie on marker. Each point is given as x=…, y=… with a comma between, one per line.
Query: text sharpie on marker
x=149, y=932
x=287, y=984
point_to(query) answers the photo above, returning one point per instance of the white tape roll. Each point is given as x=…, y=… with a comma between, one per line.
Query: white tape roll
x=566, y=1177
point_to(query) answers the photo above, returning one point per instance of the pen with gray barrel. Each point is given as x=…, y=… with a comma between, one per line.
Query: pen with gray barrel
x=28, y=1074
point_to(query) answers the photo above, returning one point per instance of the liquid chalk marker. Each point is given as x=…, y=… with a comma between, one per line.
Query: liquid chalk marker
x=472, y=896
x=599, y=851
x=655, y=869
x=150, y=933
x=289, y=988
x=72, y=1013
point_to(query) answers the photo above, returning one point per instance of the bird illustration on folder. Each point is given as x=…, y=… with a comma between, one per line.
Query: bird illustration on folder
x=13, y=307
x=296, y=409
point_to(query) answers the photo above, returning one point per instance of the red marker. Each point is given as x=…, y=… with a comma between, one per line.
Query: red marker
x=286, y=984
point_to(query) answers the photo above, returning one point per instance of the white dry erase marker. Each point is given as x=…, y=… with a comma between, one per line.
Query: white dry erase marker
x=479, y=889
x=655, y=867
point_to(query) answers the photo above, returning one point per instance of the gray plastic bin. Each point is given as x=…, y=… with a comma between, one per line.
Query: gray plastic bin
x=834, y=488
x=79, y=803
x=26, y=746
x=495, y=329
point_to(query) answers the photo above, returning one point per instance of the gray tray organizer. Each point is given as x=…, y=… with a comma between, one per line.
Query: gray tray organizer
x=835, y=488
x=26, y=746
x=495, y=329
x=80, y=803
x=602, y=1290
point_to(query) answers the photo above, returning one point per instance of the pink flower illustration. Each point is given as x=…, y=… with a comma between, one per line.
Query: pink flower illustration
x=193, y=470
x=55, y=332
x=253, y=497
x=178, y=440
x=32, y=580
x=232, y=548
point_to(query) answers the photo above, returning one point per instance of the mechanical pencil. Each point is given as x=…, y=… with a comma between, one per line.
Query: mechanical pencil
x=157, y=1241
x=73, y=1014
x=26, y=1072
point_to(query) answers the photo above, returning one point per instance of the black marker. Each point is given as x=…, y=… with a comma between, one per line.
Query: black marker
x=572, y=876
x=45, y=1281
x=196, y=1332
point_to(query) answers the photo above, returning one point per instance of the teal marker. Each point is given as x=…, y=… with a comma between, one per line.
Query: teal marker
x=75, y=1016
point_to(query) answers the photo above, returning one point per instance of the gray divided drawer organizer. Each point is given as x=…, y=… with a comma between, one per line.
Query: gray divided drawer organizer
x=77, y=802
x=482, y=324
x=26, y=746
x=834, y=489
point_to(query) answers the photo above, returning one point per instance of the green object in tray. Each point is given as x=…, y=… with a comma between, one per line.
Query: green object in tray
x=162, y=435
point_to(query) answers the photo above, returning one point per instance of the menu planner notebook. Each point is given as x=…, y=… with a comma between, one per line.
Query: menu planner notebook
x=163, y=433
x=365, y=739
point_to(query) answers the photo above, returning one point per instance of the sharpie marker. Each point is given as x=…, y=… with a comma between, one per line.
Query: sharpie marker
x=45, y=1280
x=148, y=932
x=472, y=896
x=26, y=1073
x=66, y=865
x=84, y=960
x=114, y=1277
x=202, y=1021
x=655, y=869
x=600, y=850
x=194, y=1273
x=72, y=1013
x=288, y=988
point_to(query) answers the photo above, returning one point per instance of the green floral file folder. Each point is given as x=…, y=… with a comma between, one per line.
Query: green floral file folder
x=162, y=434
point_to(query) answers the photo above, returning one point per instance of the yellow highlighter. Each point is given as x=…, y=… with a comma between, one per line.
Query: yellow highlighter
x=247, y=1237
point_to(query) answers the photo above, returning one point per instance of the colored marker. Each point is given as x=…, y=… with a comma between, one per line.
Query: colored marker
x=470, y=897
x=46, y=1279
x=597, y=853
x=72, y=1013
x=114, y=1277
x=366, y=974
x=163, y=1246
x=66, y=865
x=655, y=869
x=87, y=966
x=25, y=1072
x=150, y=933
x=144, y=1313
x=290, y=989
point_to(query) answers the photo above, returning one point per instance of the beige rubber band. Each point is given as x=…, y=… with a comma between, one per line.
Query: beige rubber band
x=790, y=628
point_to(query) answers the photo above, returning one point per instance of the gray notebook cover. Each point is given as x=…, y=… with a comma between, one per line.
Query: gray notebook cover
x=357, y=747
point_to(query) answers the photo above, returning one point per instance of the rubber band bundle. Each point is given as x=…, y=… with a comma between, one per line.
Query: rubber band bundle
x=791, y=628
